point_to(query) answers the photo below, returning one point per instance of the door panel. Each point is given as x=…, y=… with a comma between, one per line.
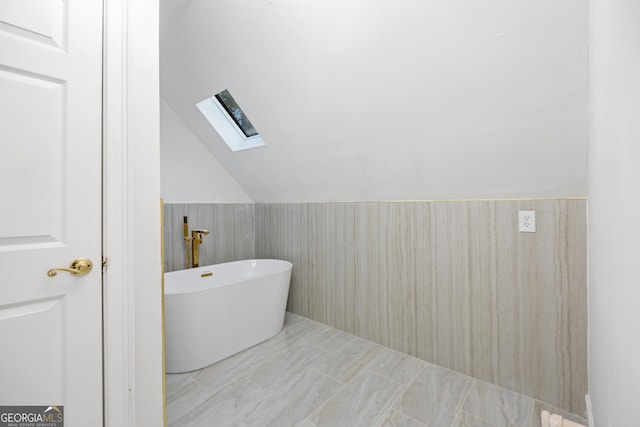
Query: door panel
x=44, y=22
x=31, y=111
x=50, y=175
x=32, y=328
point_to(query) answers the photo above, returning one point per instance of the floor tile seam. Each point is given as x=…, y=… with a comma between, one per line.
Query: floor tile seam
x=391, y=404
x=467, y=392
x=321, y=405
x=491, y=423
x=410, y=417
x=461, y=409
x=481, y=418
x=329, y=376
x=322, y=359
x=196, y=382
x=508, y=390
x=427, y=363
x=249, y=371
x=388, y=405
x=170, y=399
x=339, y=390
x=337, y=349
x=358, y=367
x=530, y=400
x=213, y=392
x=342, y=330
x=308, y=338
x=424, y=361
x=367, y=363
x=408, y=381
x=309, y=421
x=277, y=353
x=369, y=368
x=394, y=400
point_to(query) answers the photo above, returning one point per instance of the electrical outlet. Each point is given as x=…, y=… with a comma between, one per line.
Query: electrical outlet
x=527, y=221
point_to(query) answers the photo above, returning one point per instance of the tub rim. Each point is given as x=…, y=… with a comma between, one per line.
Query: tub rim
x=286, y=266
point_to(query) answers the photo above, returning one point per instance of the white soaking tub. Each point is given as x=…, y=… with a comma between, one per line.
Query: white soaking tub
x=219, y=310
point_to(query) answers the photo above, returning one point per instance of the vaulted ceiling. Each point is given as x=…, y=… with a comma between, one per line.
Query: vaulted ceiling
x=381, y=100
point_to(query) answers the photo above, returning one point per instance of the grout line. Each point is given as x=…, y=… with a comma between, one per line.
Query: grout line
x=467, y=392
x=327, y=375
x=492, y=424
x=388, y=406
x=410, y=417
x=344, y=386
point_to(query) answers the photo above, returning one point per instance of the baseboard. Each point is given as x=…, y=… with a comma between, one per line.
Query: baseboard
x=587, y=399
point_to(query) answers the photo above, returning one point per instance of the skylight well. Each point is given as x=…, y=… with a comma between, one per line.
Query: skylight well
x=228, y=119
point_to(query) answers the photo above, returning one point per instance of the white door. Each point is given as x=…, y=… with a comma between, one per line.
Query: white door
x=50, y=205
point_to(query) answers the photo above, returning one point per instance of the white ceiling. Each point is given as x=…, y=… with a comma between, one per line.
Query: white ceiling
x=381, y=100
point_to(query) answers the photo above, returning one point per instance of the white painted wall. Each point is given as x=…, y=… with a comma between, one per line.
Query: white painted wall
x=614, y=209
x=169, y=11
x=189, y=172
x=377, y=100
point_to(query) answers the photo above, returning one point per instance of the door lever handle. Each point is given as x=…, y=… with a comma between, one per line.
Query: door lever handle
x=78, y=267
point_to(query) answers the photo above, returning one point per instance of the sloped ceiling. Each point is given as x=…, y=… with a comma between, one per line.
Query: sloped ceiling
x=382, y=100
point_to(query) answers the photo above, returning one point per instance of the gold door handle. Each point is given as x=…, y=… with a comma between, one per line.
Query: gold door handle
x=78, y=267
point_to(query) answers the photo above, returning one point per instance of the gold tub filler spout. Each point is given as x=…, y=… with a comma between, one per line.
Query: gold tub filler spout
x=196, y=240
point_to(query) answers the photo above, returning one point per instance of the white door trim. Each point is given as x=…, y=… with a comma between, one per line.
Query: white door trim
x=131, y=216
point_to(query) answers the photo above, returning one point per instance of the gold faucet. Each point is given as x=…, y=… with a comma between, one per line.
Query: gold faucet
x=196, y=241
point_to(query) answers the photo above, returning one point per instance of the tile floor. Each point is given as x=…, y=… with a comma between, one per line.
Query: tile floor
x=312, y=375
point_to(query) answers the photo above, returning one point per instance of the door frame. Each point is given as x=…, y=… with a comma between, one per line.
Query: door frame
x=132, y=306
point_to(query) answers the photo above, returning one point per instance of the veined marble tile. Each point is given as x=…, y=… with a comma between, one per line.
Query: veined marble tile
x=183, y=394
x=284, y=234
x=434, y=397
x=286, y=367
x=398, y=419
x=332, y=340
x=232, y=232
x=397, y=366
x=453, y=283
x=175, y=383
x=298, y=333
x=264, y=387
x=291, y=319
x=247, y=403
x=229, y=407
x=288, y=404
x=218, y=375
x=332, y=284
x=465, y=419
x=360, y=403
x=498, y=405
x=350, y=360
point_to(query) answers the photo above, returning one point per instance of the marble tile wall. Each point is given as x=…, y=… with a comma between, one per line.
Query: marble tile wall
x=232, y=233
x=453, y=283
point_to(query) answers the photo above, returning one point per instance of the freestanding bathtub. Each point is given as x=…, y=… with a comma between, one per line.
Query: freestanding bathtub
x=216, y=311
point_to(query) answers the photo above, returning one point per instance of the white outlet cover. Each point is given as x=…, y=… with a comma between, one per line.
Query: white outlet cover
x=527, y=221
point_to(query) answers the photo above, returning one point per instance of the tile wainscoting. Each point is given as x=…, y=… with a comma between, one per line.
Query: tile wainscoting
x=453, y=283
x=232, y=233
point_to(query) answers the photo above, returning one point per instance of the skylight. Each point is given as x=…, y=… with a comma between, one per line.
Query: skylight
x=228, y=119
